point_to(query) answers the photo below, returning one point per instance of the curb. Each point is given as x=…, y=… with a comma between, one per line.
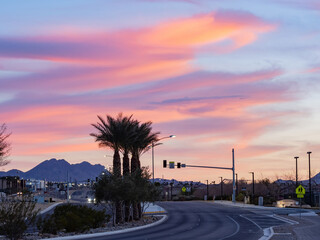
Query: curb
x=267, y=233
x=49, y=208
x=102, y=234
x=242, y=205
x=307, y=214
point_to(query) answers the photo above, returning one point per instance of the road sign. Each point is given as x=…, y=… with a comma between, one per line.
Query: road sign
x=300, y=190
x=171, y=164
x=300, y=196
x=188, y=189
x=234, y=187
x=183, y=189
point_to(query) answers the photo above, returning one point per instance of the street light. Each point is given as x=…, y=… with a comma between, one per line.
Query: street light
x=310, y=191
x=252, y=185
x=296, y=171
x=153, y=145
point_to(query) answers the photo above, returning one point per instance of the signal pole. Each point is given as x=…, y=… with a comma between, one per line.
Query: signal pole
x=310, y=190
x=296, y=171
x=233, y=182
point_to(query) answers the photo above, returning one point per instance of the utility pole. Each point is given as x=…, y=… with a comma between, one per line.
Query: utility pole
x=207, y=189
x=296, y=171
x=171, y=184
x=67, y=186
x=310, y=190
x=237, y=183
x=152, y=146
x=221, y=188
x=233, y=181
x=252, y=185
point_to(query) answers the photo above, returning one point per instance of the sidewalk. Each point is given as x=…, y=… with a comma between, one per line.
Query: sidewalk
x=154, y=209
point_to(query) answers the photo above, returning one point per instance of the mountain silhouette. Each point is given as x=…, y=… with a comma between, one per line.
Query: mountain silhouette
x=56, y=170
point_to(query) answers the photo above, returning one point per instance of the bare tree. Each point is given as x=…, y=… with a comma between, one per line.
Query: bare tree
x=5, y=146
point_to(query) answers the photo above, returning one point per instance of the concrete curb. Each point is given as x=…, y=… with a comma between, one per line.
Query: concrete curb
x=242, y=205
x=49, y=208
x=267, y=233
x=307, y=214
x=85, y=236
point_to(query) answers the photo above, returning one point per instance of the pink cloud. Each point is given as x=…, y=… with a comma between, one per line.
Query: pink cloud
x=125, y=57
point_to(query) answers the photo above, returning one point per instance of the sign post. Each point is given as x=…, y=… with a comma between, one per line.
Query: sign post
x=300, y=191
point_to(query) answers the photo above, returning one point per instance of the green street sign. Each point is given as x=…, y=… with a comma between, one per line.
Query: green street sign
x=183, y=189
x=300, y=190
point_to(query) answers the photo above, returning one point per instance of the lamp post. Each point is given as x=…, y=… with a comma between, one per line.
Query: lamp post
x=252, y=185
x=221, y=189
x=296, y=171
x=152, y=146
x=310, y=191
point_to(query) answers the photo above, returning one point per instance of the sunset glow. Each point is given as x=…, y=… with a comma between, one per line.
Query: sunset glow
x=217, y=74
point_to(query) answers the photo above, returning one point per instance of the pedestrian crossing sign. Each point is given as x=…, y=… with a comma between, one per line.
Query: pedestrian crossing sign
x=300, y=191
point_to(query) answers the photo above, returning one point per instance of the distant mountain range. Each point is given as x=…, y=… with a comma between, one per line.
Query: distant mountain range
x=56, y=170
x=314, y=180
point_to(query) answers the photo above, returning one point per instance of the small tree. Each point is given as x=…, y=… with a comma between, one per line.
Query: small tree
x=5, y=146
x=133, y=189
x=15, y=216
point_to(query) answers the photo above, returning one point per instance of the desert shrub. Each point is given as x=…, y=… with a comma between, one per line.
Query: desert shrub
x=72, y=218
x=15, y=216
x=240, y=197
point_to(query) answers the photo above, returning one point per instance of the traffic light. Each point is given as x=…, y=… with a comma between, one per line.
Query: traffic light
x=178, y=165
x=164, y=163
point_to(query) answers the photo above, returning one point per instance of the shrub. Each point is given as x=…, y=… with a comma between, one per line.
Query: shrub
x=15, y=215
x=72, y=218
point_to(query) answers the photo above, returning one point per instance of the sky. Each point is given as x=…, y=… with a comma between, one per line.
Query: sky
x=219, y=75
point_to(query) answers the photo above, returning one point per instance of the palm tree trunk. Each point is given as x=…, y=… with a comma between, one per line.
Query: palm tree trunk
x=117, y=173
x=116, y=164
x=135, y=165
x=126, y=172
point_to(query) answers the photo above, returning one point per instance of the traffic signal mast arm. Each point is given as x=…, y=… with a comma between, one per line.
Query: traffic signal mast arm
x=209, y=167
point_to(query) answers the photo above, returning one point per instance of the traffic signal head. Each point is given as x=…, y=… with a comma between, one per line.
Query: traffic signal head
x=164, y=163
x=178, y=165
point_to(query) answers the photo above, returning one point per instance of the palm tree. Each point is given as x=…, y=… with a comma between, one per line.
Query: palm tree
x=128, y=127
x=109, y=135
x=141, y=144
x=143, y=138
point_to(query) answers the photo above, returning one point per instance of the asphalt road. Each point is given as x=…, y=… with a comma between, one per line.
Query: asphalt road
x=201, y=220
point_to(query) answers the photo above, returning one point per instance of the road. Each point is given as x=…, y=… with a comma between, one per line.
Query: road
x=202, y=220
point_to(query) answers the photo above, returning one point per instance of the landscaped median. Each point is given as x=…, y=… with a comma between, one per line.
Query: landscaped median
x=146, y=222
x=69, y=217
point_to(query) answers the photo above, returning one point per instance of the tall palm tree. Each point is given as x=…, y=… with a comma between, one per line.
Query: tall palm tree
x=128, y=127
x=109, y=135
x=143, y=138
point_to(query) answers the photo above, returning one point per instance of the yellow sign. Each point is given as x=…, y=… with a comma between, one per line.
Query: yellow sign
x=300, y=190
x=300, y=196
x=184, y=189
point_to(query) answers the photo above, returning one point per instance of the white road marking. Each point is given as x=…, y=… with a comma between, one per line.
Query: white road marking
x=237, y=230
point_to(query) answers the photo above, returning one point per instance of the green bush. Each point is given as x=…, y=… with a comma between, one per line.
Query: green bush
x=240, y=197
x=72, y=218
